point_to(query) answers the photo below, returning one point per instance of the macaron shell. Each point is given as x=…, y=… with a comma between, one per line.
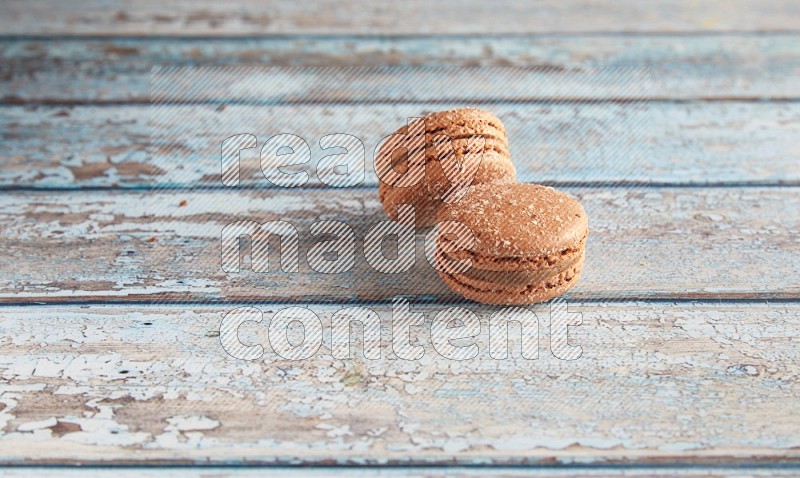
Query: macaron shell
x=426, y=196
x=493, y=166
x=519, y=220
x=458, y=124
x=398, y=160
x=465, y=121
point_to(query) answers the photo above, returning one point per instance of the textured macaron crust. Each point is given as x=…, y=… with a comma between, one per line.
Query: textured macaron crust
x=424, y=150
x=529, y=244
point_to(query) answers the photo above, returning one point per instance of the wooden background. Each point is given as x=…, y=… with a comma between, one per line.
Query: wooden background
x=111, y=291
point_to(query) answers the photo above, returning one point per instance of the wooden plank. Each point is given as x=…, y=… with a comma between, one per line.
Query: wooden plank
x=251, y=17
x=657, y=383
x=165, y=246
x=690, y=67
x=179, y=146
x=392, y=472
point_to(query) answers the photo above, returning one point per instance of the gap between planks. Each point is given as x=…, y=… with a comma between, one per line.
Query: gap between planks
x=421, y=300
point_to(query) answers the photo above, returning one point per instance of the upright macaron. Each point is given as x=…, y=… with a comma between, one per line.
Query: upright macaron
x=528, y=247
x=416, y=164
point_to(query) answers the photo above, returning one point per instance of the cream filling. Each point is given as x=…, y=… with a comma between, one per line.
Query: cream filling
x=562, y=281
x=517, y=278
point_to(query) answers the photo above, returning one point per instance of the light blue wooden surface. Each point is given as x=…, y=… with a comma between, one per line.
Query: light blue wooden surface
x=658, y=383
x=716, y=243
x=689, y=300
x=692, y=66
x=677, y=144
x=330, y=17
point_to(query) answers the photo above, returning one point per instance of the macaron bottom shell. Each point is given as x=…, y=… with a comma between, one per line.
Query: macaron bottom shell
x=543, y=285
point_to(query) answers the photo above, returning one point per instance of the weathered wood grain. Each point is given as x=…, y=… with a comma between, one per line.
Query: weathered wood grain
x=657, y=382
x=179, y=146
x=577, y=471
x=131, y=246
x=252, y=17
x=685, y=384
x=78, y=70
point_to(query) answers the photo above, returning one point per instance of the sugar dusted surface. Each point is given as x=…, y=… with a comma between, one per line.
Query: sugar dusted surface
x=520, y=220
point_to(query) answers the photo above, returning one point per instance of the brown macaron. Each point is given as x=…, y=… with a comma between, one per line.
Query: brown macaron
x=529, y=244
x=415, y=165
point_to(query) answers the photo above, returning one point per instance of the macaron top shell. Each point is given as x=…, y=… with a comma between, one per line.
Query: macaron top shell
x=465, y=121
x=457, y=125
x=519, y=220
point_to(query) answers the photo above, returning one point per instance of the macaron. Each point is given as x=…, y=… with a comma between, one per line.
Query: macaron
x=418, y=166
x=529, y=244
